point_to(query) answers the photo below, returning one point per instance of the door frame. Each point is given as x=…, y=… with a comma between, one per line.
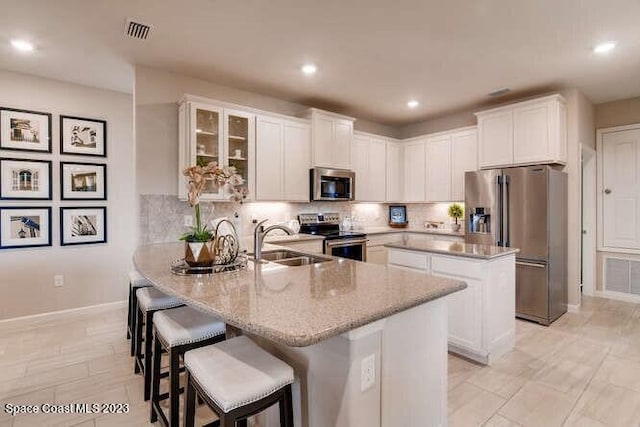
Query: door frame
x=589, y=209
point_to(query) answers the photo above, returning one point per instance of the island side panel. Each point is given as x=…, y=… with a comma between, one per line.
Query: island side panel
x=414, y=367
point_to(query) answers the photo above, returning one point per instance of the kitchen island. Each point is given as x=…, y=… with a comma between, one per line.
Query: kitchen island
x=481, y=317
x=368, y=343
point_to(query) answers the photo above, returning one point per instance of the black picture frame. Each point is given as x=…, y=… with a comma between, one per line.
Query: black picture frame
x=64, y=192
x=4, y=184
x=3, y=135
x=65, y=148
x=3, y=227
x=398, y=215
x=66, y=240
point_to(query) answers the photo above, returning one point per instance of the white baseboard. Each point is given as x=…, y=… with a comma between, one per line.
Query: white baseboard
x=61, y=313
x=618, y=296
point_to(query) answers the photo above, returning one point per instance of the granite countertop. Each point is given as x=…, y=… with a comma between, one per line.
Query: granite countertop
x=469, y=250
x=295, y=306
x=439, y=231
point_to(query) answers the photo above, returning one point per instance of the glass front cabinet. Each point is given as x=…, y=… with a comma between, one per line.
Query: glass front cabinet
x=211, y=132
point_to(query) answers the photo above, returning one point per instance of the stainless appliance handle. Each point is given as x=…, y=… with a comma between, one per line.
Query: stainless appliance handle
x=500, y=207
x=506, y=233
x=343, y=243
x=531, y=264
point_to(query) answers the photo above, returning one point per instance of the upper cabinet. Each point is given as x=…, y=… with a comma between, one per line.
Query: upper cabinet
x=331, y=139
x=464, y=158
x=283, y=159
x=394, y=171
x=370, y=165
x=530, y=132
x=414, y=177
x=210, y=132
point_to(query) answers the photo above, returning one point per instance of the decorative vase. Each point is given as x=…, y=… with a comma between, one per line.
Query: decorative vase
x=455, y=227
x=199, y=254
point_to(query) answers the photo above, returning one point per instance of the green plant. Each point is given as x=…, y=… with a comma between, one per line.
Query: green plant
x=456, y=211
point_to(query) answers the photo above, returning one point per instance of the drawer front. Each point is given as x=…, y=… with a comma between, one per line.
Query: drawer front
x=313, y=246
x=457, y=267
x=383, y=239
x=408, y=259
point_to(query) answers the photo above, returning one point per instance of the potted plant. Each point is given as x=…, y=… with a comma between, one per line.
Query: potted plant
x=456, y=212
x=199, y=244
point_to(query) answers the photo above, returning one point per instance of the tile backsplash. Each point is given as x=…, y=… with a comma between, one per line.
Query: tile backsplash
x=162, y=216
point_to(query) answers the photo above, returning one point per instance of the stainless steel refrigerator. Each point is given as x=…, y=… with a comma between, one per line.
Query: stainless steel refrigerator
x=524, y=208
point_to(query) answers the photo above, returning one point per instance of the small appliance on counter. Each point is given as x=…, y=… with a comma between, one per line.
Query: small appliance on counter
x=398, y=216
x=345, y=244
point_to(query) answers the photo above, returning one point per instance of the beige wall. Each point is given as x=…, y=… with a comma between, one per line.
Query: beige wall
x=93, y=274
x=439, y=124
x=618, y=113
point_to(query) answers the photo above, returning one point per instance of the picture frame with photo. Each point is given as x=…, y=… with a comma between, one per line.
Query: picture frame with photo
x=25, y=227
x=25, y=130
x=83, y=225
x=25, y=179
x=83, y=136
x=83, y=181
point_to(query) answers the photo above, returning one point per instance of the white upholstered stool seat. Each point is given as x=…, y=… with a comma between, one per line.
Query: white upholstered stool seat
x=186, y=325
x=137, y=280
x=151, y=299
x=236, y=372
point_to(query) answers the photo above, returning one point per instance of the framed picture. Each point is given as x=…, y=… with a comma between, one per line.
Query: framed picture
x=83, y=226
x=86, y=137
x=25, y=179
x=25, y=227
x=398, y=216
x=24, y=130
x=83, y=181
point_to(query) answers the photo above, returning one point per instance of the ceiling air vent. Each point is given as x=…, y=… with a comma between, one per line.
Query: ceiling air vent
x=499, y=92
x=137, y=30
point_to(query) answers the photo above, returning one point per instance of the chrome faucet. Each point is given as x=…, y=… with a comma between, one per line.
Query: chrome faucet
x=259, y=234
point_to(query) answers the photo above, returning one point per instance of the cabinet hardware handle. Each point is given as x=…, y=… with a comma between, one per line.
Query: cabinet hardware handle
x=607, y=191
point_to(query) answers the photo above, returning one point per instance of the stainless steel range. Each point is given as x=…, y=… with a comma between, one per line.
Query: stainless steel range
x=345, y=244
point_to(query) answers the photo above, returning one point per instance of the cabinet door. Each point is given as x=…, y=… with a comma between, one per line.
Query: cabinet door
x=394, y=172
x=297, y=162
x=269, y=148
x=621, y=189
x=239, y=148
x=532, y=134
x=465, y=312
x=377, y=168
x=206, y=131
x=495, y=137
x=341, y=150
x=414, y=171
x=464, y=158
x=438, y=184
x=377, y=255
x=323, y=146
x=360, y=148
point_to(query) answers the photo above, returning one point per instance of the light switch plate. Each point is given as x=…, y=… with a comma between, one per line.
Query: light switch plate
x=367, y=372
x=58, y=280
x=188, y=221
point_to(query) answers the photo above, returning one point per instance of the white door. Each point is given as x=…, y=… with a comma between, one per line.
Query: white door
x=377, y=169
x=464, y=158
x=297, y=162
x=360, y=147
x=414, y=171
x=532, y=134
x=621, y=189
x=269, y=137
x=438, y=169
x=495, y=139
x=394, y=172
x=342, y=134
x=322, y=141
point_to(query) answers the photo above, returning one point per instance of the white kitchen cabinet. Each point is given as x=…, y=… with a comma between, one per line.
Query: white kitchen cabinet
x=360, y=150
x=377, y=255
x=414, y=177
x=282, y=159
x=464, y=158
x=215, y=132
x=394, y=172
x=313, y=246
x=369, y=163
x=529, y=132
x=438, y=161
x=331, y=139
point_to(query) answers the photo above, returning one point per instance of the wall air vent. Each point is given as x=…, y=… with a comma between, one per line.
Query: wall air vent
x=499, y=92
x=137, y=30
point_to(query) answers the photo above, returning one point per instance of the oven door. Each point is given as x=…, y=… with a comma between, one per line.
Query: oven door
x=347, y=248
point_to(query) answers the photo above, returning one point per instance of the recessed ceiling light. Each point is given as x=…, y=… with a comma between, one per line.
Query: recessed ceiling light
x=413, y=103
x=22, y=45
x=604, y=47
x=309, y=69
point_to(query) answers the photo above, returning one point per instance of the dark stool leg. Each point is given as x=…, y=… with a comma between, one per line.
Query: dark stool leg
x=286, y=408
x=137, y=341
x=148, y=351
x=242, y=423
x=227, y=421
x=189, y=403
x=174, y=386
x=155, y=386
x=134, y=319
x=129, y=315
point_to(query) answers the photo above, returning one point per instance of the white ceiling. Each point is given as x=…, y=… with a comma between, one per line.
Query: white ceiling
x=373, y=55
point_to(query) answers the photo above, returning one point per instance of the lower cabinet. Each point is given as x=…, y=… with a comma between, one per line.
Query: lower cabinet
x=377, y=255
x=314, y=246
x=482, y=316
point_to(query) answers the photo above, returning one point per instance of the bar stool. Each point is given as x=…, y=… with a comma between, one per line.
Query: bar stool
x=150, y=300
x=237, y=379
x=176, y=331
x=136, y=281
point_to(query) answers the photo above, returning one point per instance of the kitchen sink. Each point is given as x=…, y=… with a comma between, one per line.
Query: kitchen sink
x=292, y=258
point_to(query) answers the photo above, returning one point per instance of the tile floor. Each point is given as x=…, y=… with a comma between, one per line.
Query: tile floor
x=584, y=370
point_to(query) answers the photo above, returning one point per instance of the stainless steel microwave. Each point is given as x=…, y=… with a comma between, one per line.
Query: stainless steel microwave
x=332, y=184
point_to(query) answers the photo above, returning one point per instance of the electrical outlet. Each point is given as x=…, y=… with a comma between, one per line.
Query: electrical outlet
x=367, y=372
x=58, y=280
x=188, y=221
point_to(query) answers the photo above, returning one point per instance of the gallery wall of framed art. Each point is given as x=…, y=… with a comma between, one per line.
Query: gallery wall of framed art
x=28, y=183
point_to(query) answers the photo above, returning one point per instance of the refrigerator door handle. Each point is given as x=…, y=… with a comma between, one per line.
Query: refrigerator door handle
x=531, y=264
x=505, y=214
x=499, y=221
